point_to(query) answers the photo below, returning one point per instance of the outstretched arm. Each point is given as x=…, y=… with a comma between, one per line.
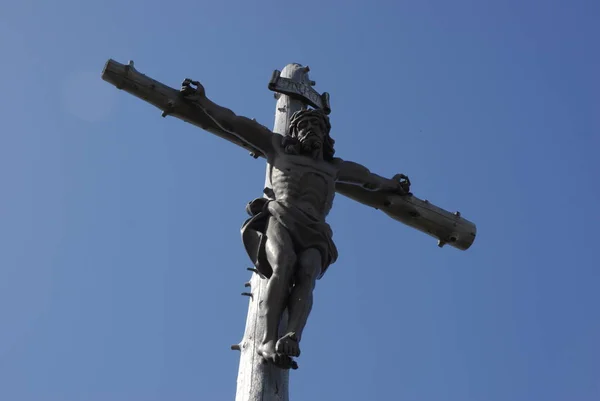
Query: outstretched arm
x=248, y=131
x=354, y=174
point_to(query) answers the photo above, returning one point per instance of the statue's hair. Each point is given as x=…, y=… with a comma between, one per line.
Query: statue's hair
x=328, y=142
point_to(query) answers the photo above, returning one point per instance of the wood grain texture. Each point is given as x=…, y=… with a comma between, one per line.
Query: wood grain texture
x=257, y=380
x=165, y=98
x=448, y=228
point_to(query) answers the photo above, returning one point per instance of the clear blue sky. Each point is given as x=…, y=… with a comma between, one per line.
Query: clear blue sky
x=121, y=263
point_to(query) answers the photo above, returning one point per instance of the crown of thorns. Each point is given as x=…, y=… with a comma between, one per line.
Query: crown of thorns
x=328, y=143
x=302, y=114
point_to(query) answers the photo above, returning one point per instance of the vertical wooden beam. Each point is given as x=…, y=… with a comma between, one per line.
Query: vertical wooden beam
x=257, y=380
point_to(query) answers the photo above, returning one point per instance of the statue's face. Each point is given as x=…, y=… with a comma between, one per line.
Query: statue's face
x=311, y=133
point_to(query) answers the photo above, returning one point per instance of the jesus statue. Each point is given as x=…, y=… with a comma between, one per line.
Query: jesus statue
x=287, y=236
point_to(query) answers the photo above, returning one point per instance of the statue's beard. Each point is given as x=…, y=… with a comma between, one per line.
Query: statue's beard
x=311, y=145
x=308, y=145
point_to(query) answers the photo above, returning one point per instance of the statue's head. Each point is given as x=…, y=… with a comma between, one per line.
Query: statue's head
x=311, y=129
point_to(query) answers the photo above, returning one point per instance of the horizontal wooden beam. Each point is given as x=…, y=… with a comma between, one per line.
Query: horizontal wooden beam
x=448, y=228
x=165, y=98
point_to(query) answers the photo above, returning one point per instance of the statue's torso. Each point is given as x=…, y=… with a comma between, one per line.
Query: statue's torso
x=304, y=182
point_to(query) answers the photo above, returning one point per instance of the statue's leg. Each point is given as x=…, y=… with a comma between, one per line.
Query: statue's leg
x=300, y=301
x=282, y=258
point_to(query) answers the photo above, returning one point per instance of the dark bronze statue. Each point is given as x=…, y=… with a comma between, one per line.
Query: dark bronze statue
x=287, y=237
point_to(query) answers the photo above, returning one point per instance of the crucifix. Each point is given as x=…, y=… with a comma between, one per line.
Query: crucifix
x=286, y=234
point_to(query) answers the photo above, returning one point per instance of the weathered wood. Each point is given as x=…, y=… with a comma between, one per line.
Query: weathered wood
x=446, y=227
x=257, y=380
x=167, y=99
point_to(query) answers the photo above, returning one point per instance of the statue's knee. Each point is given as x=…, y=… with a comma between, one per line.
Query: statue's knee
x=309, y=266
x=283, y=264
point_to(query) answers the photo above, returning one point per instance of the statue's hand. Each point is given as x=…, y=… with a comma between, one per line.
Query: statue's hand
x=403, y=184
x=190, y=87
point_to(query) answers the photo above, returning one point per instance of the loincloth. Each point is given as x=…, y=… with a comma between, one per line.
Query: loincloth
x=306, y=233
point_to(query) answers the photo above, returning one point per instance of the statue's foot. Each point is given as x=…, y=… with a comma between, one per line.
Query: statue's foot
x=267, y=351
x=288, y=345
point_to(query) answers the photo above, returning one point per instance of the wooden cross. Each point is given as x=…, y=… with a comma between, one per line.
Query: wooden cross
x=294, y=91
